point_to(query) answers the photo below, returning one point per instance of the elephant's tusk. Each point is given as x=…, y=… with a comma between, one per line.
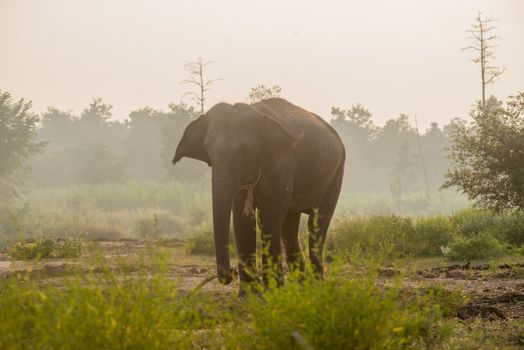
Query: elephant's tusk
x=248, y=204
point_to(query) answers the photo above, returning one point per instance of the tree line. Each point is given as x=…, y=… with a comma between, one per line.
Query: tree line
x=482, y=158
x=93, y=147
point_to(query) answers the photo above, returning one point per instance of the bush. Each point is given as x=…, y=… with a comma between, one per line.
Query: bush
x=511, y=227
x=46, y=248
x=158, y=224
x=334, y=314
x=201, y=243
x=379, y=236
x=471, y=222
x=433, y=232
x=480, y=246
x=392, y=236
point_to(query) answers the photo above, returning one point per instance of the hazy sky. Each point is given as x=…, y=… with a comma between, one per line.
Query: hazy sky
x=391, y=56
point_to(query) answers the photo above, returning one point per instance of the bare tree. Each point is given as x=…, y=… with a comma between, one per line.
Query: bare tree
x=261, y=92
x=482, y=37
x=196, y=77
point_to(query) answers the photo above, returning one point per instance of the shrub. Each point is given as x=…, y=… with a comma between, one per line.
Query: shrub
x=433, y=232
x=471, y=222
x=45, y=248
x=480, y=246
x=157, y=225
x=391, y=236
x=375, y=236
x=511, y=227
x=201, y=243
x=334, y=314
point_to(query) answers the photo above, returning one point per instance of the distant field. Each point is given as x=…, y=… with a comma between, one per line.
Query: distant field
x=172, y=209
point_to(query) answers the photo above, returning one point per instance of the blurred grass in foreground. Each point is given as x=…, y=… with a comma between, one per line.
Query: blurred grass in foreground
x=105, y=308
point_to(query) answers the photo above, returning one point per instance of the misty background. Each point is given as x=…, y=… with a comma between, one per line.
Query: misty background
x=105, y=79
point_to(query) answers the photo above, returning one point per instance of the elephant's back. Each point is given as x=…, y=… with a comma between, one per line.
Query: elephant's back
x=315, y=130
x=319, y=154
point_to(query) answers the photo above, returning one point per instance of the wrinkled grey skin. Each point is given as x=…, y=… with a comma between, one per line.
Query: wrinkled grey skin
x=294, y=159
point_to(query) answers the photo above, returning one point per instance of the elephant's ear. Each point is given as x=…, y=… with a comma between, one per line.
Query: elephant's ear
x=192, y=143
x=278, y=138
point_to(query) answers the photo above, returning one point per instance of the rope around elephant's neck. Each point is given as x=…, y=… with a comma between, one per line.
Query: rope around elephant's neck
x=248, y=204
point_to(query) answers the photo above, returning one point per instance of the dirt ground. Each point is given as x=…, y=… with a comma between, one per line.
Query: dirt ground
x=493, y=291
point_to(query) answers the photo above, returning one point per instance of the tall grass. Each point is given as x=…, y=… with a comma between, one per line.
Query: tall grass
x=414, y=204
x=110, y=211
x=141, y=210
x=364, y=224
x=466, y=235
x=175, y=196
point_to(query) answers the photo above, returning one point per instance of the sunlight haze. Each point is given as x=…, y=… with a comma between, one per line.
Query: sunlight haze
x=391, y=56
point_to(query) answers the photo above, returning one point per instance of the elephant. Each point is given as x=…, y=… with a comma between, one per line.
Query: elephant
x=274, y=157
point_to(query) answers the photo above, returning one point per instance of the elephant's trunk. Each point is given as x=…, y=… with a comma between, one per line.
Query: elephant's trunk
x=223, y=192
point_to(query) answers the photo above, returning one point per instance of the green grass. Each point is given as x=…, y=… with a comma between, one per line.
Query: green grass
x=138, y=304
x=201, y=243
x=337, y=313
x=128, y=210
x=100, y=311
x=364, y=224
x=466, y=235
x=414, y=204
x=112, y=309
x=109, y=211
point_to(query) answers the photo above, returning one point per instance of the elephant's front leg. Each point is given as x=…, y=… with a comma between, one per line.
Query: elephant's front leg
x=270, y=227
x=245, y=238
x=273, y=208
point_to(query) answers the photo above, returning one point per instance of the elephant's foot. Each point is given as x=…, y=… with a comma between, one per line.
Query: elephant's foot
x=250, y=288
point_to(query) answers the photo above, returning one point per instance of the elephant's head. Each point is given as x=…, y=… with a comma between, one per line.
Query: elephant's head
x=236, y=141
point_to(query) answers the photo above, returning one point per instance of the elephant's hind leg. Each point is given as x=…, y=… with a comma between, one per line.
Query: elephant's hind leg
x=319, y=221
x=294, y=256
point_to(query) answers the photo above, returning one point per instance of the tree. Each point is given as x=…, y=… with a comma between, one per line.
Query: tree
x=97, y=114
x=434, y=142
x=93, y=164
x=90, y=143
x=196, y=77
x=488, y=154
x=59, y=128
x=482, y=37
x=261, y=92
x=403, y=173
x=357, y=131
x=17, y=145
x=143, y=144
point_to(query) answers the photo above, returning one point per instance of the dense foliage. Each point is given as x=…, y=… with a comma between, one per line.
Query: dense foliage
x=488, y=154
x=17, y=144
